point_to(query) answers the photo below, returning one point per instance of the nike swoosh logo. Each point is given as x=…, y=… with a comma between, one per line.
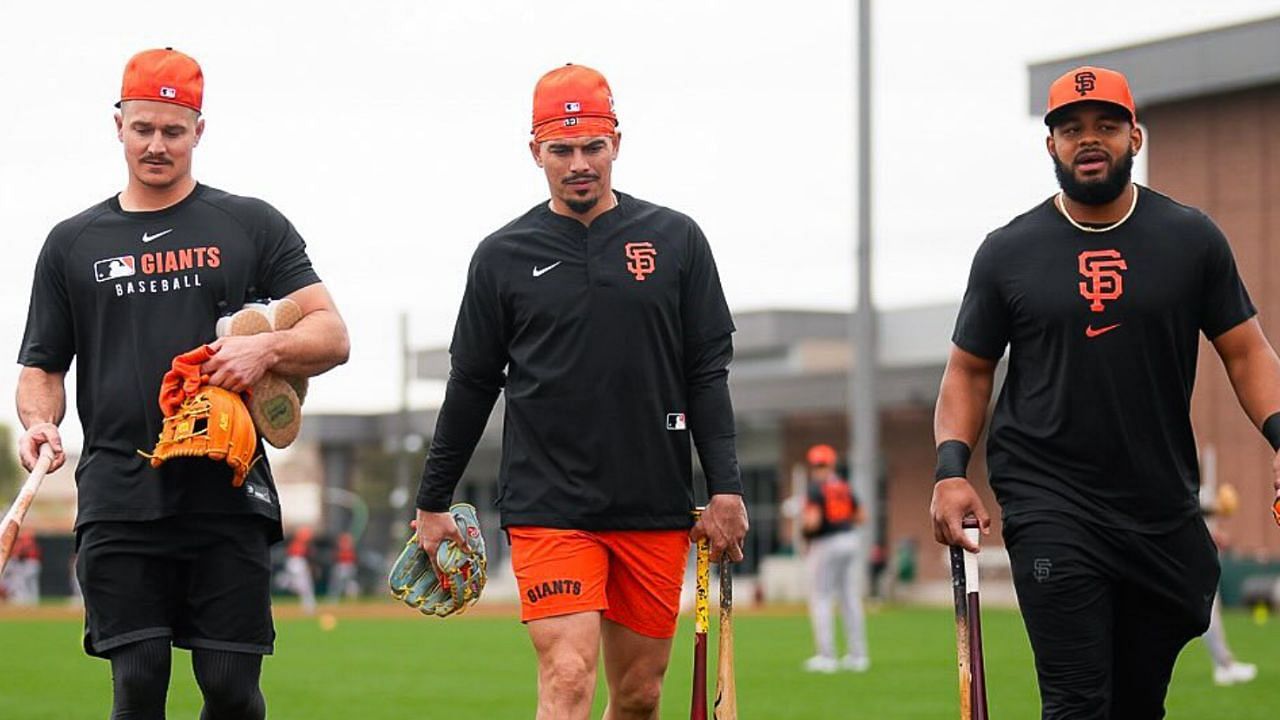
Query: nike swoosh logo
x=148, y=238
x=539, y=272
x=1091, y=333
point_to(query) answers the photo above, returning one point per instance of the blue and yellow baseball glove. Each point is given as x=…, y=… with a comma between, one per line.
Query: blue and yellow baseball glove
x=414, y=581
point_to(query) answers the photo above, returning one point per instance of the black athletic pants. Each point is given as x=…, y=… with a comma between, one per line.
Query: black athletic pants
x=1108, y=611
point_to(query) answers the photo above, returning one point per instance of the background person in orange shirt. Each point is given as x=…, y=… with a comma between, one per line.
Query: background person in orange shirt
x=297, y=569
x=22, y=576
x=342, y=581
x=831, y=513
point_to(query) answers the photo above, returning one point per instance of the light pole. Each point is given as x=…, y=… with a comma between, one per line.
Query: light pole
x=864, y=412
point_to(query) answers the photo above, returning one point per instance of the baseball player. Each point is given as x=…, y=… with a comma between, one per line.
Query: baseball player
x=22, y=576
x=601, y=318
x=1100, y=293
x=830, y=514
x=1217, y=503
x=342, y=580
x=171, y=555
x=297, y=569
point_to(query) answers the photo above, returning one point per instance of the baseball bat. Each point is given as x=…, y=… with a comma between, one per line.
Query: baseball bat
x=726, y=705
x=964, y=585
x=18, y=510
x=701, y=619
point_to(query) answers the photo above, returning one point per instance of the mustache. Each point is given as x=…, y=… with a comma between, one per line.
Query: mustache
x=156, y=159
x=1091, y=155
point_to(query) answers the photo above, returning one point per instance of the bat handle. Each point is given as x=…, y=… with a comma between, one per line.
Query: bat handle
x=18, y=510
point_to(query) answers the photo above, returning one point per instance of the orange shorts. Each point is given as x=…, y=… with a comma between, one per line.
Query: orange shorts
x=632, y=576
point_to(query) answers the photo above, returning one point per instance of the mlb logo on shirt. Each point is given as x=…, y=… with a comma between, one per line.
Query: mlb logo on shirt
x=675, y=421
x=573, y=107
x=168, y=92
x=116, y=267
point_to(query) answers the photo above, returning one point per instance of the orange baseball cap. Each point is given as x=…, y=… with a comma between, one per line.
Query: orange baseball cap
x=163, y=75
x=1089, y=83
x=572, y=101
x=822, y=455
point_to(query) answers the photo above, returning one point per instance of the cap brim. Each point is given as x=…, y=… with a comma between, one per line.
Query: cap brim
x=121, y=101
x=1051, y=118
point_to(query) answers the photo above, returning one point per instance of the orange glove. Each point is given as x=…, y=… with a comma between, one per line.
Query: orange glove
x=214, y=423
x=203, y=421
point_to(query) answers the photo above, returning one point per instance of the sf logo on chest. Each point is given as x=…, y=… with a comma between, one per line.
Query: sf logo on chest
x=640, y=258
x=1103, y=281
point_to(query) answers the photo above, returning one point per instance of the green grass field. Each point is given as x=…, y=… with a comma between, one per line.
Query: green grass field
x=482, y=667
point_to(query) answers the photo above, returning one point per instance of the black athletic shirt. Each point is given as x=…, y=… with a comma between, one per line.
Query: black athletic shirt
x=124, y=292
x=615, y=341
x=1102, y=328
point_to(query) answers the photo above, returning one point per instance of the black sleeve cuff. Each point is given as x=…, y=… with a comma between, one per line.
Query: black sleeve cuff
x=1271, y=430
x=953, y=460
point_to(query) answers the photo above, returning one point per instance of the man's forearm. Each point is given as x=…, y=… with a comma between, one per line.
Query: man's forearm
x=962, y=406
x=463, y=415
x=714, y=435
x=41, y=397
x=710, y=415
x=318, y=343
x=1255, y=377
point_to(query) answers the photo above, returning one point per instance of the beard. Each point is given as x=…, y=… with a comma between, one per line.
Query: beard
x=582, y=207
x=1095, y=192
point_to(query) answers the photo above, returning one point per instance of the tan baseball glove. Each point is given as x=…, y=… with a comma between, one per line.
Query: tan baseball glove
x=275, y=401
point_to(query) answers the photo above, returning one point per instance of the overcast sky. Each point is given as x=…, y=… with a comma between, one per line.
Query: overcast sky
x=393, y=135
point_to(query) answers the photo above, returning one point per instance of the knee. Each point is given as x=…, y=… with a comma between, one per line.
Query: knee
x=568, y=679
x=638, y=698
x=227, y=698
x=224, y=698
x=230, y=691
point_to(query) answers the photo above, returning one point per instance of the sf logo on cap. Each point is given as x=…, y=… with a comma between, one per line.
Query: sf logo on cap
x=1085, y=82
x=168, y=92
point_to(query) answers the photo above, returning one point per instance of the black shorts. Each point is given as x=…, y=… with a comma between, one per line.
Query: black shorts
x=202, y=580
x=1107, y=611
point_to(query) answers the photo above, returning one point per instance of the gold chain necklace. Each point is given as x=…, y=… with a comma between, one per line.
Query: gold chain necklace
x=1062, y=208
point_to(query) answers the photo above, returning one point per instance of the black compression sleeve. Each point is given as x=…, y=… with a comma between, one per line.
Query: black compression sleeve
x=467, y=405
x=711, y=414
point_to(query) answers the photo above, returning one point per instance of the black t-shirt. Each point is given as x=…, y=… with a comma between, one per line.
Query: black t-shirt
x=837, y=503
x=123, y=293
x=599, y=331
x=1103, y=330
